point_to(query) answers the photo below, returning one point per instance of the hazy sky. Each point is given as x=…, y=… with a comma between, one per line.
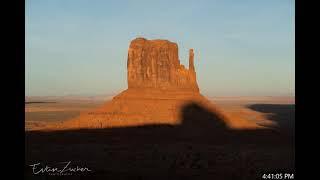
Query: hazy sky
x=242, y=47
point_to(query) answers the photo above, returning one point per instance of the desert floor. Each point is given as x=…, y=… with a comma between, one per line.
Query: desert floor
x=190, y=151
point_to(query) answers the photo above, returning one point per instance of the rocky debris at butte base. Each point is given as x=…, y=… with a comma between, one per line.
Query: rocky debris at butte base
x=159, y=89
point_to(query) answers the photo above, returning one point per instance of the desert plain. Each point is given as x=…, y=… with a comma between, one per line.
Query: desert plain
x=164, y=152
x=43, y=109
x=160, y=127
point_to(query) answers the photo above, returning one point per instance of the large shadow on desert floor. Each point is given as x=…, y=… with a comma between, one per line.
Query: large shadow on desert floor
x=283, y=115
x=202, y=147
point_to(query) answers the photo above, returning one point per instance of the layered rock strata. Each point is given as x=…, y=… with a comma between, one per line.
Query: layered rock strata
x=159, y=88
x=155, y=64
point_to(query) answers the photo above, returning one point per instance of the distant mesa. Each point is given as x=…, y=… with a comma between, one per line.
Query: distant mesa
x=159, y=87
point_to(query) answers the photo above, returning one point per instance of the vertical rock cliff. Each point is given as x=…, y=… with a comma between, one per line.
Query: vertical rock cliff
x=155, y=64
x=159, y=89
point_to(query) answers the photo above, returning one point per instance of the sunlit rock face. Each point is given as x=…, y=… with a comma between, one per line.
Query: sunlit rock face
x=159, y=89
x=155, y=64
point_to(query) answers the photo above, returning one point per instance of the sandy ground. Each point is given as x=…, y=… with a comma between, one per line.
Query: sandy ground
x=243, y=107
x=58, y=109
x=205, y=150
x=40, y=111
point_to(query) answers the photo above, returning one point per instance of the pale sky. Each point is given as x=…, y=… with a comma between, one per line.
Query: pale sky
x=79, y=47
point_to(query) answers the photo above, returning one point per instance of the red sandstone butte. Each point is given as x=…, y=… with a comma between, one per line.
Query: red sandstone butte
x=155, y=64
x=159, y=87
